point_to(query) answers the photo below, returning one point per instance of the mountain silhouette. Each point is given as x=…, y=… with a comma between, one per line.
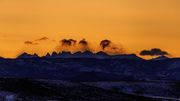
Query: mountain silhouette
x=26, y=55
x=85, y=54
x=161, y=58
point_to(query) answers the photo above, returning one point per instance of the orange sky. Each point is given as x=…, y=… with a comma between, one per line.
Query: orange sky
x=136, y=24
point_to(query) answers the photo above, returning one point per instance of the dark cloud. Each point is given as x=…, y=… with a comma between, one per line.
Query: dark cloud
x=84, y=46
x=34, y=42
x=30, y=43
x=154, y=52
x=68, y=42
x=83, y=42
x=67, y=45
x=105, y=43
x=72, y=45
x=43, y=38
x=109, y=47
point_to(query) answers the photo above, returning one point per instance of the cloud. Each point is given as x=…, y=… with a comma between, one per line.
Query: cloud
x=41, y=39
x=109, y=47
x=154, y=52
x=30, y=43
x=105, y=43
x=83, y=42
x=72, y=45
x=35, y=43
x=67, y=45
x=84, y=45
x=68, y=42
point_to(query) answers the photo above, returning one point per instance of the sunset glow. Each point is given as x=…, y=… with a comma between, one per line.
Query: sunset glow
x=134, y=24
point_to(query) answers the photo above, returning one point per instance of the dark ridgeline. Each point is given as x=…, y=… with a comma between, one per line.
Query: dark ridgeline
x=84, y=54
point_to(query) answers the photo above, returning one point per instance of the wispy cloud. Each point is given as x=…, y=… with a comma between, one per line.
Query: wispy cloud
x=42, y=39
x=30, y=43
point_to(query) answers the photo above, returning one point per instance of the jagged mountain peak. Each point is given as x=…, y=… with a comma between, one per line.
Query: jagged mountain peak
x=85, y=54
x=26, y=55
x=161, y=58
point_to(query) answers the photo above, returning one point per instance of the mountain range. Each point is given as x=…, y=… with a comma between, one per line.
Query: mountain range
x=86, y=54
x=88, y=66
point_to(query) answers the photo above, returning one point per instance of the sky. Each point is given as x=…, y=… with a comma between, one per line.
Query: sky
x=135, y=24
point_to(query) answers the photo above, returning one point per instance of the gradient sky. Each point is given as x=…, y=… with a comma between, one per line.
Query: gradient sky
x=136, y=24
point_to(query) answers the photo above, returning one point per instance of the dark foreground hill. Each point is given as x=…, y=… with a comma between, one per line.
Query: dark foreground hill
x=48, y=90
